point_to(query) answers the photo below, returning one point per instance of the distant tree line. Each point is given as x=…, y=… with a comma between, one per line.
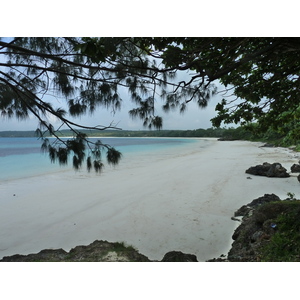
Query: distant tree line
x=248, y=132
x=17, y=134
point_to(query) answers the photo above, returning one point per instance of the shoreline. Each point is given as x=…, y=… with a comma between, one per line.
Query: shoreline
x=180, y=200
x=56, y=168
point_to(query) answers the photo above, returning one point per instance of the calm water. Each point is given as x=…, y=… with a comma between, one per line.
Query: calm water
x=22, y=157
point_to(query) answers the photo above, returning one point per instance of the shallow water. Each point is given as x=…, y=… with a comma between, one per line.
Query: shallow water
x=22, y=157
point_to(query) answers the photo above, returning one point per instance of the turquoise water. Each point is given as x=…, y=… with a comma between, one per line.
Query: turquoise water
x=22, y=157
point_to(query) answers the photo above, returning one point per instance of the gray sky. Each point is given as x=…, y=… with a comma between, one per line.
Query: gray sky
x=131, y=23
x=134, y=25
x=193, y=118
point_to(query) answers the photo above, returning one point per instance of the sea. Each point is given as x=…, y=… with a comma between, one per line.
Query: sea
x=22, y=157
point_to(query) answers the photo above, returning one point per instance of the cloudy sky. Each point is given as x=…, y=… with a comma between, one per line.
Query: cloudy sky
x=193, y=118
x=121, y=20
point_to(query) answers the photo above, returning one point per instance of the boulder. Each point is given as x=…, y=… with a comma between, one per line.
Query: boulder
x=295, y=168
x=277, y=170
x=259, y=169
x=266, y=198
x=269, y=170
x=247, y=210
x=178, y=256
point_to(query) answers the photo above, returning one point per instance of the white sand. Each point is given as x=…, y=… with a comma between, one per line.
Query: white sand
x=179, y=200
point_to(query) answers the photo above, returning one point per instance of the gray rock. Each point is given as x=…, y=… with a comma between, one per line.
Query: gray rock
x=277, y=170
x=259, y=169
x=178, y=256
x=266, y=198
x=295, y=168
x=243, y=211
x=94, y=252
x=256, y=235
x=269, y=170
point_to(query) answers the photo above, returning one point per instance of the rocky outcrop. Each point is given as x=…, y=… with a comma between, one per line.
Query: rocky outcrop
x=269, y=170
x=295, y=168
x=51, y=255
x=98, y=251
x=178, y=256
x=257, y=227
x=266, y=198
x=253, y=230
x=247, y=209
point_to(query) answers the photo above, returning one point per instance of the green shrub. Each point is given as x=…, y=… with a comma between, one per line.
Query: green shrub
x=284, y=244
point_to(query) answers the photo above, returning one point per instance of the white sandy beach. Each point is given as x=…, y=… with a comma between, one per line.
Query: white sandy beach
x=179, y=200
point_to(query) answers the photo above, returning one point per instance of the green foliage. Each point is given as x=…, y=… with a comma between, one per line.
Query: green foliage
x=86, y=73
x=121, y=247
x=113, y=156
x=284, y=245
x=291, y=196
x=263, y=73
x=80, y=149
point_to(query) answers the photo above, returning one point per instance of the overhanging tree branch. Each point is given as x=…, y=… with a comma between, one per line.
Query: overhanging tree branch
x=88, y=72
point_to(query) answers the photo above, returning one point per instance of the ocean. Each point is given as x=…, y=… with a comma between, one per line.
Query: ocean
x=22, y=157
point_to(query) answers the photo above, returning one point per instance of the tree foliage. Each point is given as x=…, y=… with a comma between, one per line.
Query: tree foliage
x=262, y=73
x=86, y=73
